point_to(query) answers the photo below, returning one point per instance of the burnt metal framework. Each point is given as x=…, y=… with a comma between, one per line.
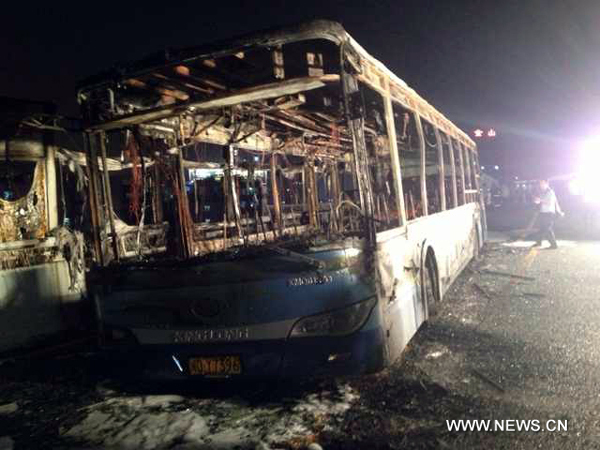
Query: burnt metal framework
x=263, y=139
x=33, y=234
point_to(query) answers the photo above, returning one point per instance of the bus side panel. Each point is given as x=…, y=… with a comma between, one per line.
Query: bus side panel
x=451, y=235
x=400, y=293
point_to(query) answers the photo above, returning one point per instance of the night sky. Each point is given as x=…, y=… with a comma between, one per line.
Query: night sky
x=529, y=68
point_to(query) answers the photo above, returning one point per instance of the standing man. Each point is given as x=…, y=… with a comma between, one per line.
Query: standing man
x=549, y=208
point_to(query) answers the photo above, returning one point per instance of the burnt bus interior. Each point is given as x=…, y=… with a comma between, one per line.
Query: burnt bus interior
x=39, y=201
x=271, y=141
x=23, y=209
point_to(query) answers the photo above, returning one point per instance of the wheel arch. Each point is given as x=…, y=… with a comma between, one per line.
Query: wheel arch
x=478, y=237
x=428, y=257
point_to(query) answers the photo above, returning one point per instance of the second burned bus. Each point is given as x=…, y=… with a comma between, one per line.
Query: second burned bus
x=278, y=204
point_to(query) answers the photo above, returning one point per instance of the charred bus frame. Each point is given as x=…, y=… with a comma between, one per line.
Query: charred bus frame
x=42, y=265
x=311, y=153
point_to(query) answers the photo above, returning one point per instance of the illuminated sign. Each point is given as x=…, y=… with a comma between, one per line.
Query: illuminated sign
x=479, y=133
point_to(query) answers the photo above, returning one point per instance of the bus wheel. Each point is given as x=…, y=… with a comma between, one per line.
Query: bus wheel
x=430, y=287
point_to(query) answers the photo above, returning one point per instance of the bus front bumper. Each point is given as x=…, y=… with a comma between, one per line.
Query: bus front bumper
x=359, y=353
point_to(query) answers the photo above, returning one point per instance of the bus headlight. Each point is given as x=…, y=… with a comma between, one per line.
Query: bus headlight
x=335, y=323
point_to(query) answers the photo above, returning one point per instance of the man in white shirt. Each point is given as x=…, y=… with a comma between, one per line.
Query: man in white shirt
x=549, y=208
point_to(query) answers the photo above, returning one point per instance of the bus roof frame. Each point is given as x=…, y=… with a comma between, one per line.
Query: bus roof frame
x=317, y=29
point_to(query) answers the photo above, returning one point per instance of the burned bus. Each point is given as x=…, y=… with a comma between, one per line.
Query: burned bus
x=277, y=204
x=42, y=263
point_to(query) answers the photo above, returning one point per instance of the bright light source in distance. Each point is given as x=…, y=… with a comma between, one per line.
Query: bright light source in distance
x=587, y=182
x=575, y=187
x=491, y=132
x=497, y=167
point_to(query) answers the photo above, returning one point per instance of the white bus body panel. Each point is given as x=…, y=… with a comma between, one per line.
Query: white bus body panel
x=451, y=236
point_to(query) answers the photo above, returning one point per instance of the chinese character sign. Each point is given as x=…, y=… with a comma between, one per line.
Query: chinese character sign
x=479, y=133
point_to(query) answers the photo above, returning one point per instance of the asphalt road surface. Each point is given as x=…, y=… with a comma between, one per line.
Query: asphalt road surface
x=502, y=348
x=526, y=346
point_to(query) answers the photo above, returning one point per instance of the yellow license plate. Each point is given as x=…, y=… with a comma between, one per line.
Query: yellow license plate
x=216, y=365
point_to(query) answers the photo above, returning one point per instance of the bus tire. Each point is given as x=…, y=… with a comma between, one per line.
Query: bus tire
x=430, y=286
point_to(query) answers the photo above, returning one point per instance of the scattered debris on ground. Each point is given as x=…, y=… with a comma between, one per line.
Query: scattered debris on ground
x=6, y=443
x=176, y=422
x=9, y=408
